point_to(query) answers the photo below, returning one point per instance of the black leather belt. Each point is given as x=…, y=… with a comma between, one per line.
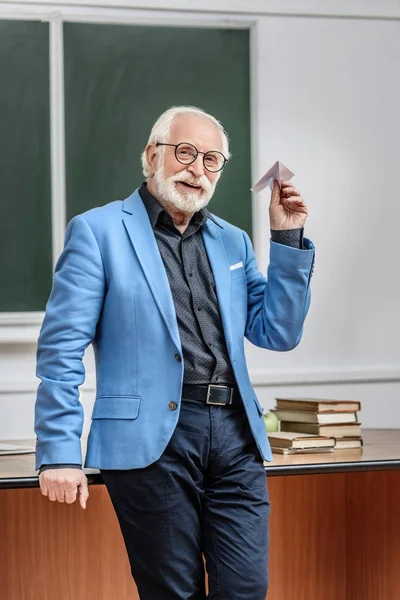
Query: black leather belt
x=219, y=395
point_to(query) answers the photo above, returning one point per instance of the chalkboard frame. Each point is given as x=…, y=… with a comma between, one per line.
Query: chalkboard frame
x=22, y=326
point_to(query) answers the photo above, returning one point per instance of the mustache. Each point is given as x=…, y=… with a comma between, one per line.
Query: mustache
x=187, y=177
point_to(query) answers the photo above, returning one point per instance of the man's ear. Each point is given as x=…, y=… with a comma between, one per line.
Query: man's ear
x=151, y=154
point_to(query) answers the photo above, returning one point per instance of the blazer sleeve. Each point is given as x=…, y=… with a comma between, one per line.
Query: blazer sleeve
x=278, y=304
x=69, y=325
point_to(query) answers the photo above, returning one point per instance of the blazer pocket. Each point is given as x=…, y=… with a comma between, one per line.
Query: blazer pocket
x=238, y=273
x=259, y=407
x=116, y=407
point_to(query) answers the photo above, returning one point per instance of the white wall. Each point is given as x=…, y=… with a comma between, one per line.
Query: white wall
x=329, y=94
x=325, y=101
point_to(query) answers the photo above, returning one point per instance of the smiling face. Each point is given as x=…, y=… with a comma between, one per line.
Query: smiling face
x=187, y=188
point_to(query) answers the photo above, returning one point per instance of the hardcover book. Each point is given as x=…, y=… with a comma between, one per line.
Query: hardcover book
x=300, y=416
x=318, y=406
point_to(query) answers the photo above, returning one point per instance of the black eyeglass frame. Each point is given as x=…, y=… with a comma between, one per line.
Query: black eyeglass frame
x=197, y=153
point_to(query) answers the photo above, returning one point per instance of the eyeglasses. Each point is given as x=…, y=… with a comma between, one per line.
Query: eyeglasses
x=186, y=154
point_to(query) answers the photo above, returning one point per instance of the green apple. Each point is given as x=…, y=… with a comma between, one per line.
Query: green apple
x=271, y=422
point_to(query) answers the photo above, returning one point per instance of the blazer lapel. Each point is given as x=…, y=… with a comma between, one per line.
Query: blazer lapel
x=220, y=268
x=145, y=245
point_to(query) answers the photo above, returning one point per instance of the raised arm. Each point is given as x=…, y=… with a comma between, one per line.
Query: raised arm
x=278, y=304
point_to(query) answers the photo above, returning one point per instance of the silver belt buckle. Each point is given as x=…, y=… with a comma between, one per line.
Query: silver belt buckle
x=224, y=387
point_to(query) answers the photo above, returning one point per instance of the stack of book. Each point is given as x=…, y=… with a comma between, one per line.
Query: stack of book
x=330, y=418
x=287, y=442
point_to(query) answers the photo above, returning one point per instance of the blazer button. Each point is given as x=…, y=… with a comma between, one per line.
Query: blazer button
x=173, y=405
x=178, y=357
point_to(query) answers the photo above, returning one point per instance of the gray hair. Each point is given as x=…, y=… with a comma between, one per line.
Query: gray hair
x=162, y=127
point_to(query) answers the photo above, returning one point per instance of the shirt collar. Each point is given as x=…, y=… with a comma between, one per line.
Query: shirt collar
x=154, y=209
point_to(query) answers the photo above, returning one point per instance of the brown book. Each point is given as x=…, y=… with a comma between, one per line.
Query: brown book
x=347, y=443
x=276, y=450
x=300, y=416
x=337, y=431
x=289, y=439
x=318, y=406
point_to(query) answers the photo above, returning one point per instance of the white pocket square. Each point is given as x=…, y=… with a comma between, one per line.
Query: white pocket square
x=237, y=266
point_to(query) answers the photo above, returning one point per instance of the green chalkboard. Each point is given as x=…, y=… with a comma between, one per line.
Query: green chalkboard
x=25, y=202
x=120, y=78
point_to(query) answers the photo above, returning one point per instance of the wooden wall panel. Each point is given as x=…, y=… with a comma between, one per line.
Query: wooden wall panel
x=53, y=551
x=332, y=537
x=373, y=535
x=307, y=537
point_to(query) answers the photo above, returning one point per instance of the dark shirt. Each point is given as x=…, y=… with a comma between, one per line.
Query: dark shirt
x=190, y=277
x=288, y=237
x=185, y=259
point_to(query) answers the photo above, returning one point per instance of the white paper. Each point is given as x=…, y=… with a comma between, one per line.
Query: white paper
x=237, y=266
x=278, y=171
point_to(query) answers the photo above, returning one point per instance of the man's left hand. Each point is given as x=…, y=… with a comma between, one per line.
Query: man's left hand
x=287, y=209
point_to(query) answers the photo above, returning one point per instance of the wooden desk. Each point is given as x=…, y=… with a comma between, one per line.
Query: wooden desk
x=334, y=532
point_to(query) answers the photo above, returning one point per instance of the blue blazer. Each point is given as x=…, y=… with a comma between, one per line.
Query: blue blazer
x=110, y=289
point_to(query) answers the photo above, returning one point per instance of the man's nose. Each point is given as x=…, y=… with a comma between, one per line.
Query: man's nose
x=197, y=166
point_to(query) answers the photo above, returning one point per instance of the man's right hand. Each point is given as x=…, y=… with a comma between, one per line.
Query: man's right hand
x=63, y=485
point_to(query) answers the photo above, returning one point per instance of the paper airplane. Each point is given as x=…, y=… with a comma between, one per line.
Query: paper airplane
x=278, y=171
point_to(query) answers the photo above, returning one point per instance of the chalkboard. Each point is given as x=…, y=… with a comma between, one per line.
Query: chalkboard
x=25, y=201
x=120, y=78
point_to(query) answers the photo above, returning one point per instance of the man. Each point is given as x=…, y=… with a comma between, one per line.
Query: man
x=166, y=292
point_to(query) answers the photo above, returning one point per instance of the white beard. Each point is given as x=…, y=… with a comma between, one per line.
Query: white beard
x=188, y=202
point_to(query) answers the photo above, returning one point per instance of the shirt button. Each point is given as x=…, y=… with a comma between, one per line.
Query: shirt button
x=190, y=274
x=173, y=405
x=178, y=357
x=199, y=308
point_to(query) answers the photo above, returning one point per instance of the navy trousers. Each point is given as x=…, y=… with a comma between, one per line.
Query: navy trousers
x=205, y=496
